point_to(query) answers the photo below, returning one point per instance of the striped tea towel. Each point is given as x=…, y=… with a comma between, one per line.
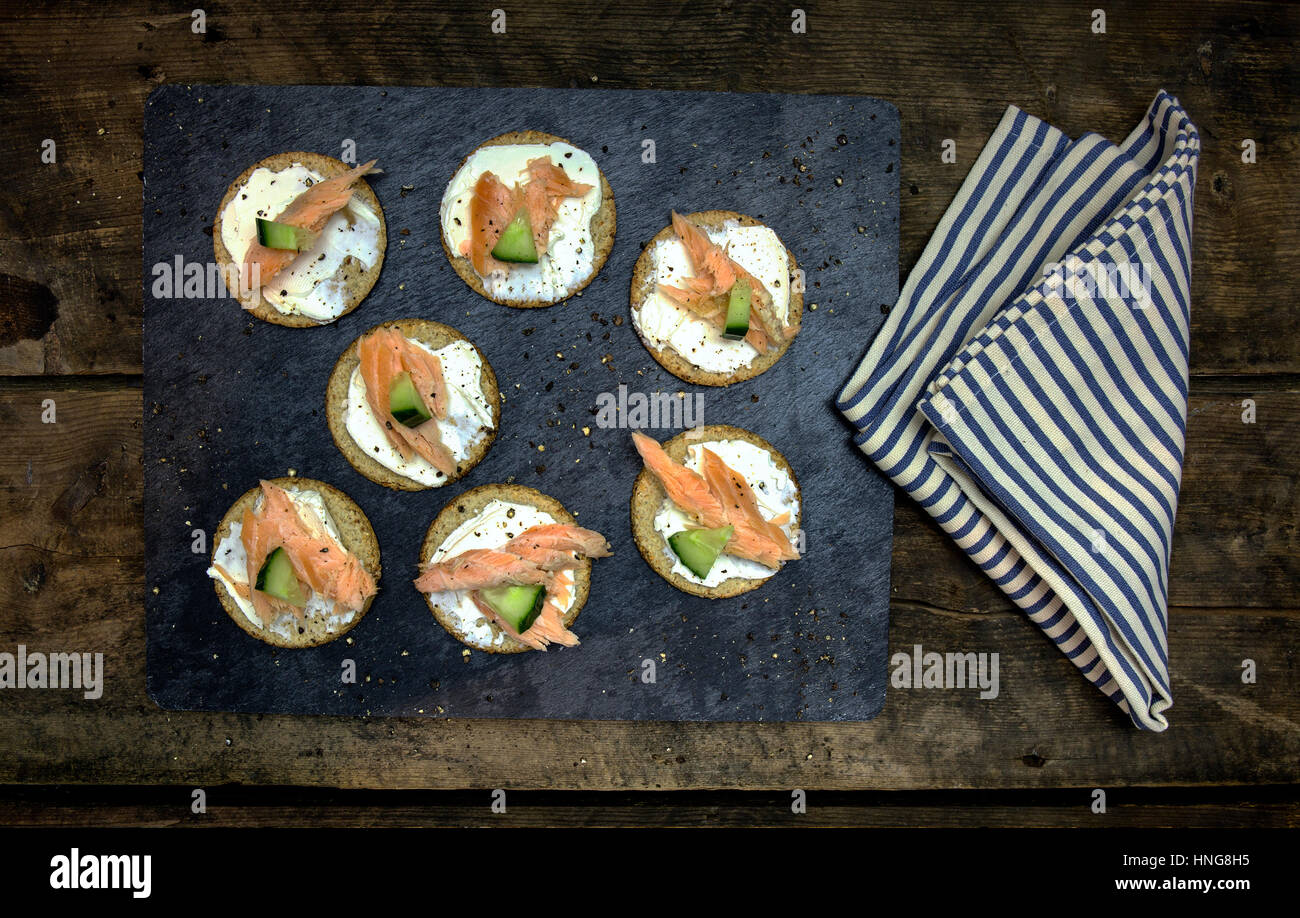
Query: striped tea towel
x=1029, y=389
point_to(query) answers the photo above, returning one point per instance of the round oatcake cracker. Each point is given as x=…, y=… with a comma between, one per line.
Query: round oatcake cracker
x=356, y=534
x=643, y=282
x=435, y=335
x=603, y=224
x=471, y=503
x=648, y=496
x=357, y=279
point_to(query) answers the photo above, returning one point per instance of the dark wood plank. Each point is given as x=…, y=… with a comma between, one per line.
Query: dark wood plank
x=79, y=73
x=229, y=807
x=1046, y=729
x=70, y=556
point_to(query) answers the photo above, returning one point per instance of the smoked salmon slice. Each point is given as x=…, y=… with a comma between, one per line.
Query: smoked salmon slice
x=491, y=209
x=720, y=497
x=548, y=185
x=714, y=271
x=319, y=562
x=383, y=354
x=754, y=536
x=478, y=569
x=494, y=204
x=706, y=293
x=550, y=547
x=540, y=555
x=687, y=489
x=311, y=210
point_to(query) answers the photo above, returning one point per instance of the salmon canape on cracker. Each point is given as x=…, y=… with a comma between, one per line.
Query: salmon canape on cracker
x=296, y=562
x=716, y=510
x=714, y=297
x=305, y=235
x=506, y=569
x=528, y=219
x=413, y=404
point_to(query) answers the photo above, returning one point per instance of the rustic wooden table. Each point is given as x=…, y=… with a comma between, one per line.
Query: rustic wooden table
x=71, y=550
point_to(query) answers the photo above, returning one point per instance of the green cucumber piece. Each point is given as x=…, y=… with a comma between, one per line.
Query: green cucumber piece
x=516, y=241
x=404, y=402
x=737, y=326
x=276, y=578
x=283, y=236
x=699, y=548
x=517, y=605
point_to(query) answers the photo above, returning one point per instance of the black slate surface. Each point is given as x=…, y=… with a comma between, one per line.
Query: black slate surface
x=229, y=399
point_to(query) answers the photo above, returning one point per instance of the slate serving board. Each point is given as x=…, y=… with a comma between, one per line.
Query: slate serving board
x=229, y=399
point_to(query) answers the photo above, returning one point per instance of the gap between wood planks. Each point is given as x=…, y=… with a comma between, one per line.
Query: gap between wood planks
x=244, y=806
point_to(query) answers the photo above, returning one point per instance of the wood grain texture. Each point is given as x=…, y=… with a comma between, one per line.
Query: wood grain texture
x=70, y=553
x=79, y=72
x=232, y=807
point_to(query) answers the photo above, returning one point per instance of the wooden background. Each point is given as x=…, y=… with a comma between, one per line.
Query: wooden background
x=71, y=564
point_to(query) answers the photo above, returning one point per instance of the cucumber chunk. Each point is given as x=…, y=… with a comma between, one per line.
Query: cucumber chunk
x=276, y=578
x=283, y=236
x=516, y=241
x=404, y=402
x=517, y=605
x=699, y=548
x=737, y=326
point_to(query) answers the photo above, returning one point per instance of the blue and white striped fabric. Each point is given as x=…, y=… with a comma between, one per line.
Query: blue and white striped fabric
x=1029, y=389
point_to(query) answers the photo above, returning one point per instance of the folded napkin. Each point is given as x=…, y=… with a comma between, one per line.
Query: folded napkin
x=1029, y=388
